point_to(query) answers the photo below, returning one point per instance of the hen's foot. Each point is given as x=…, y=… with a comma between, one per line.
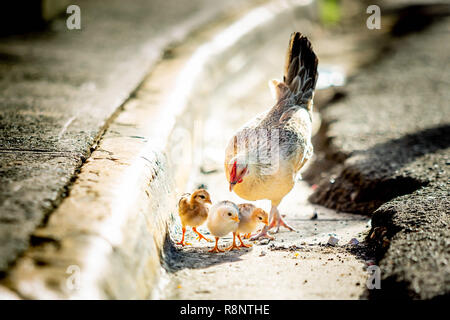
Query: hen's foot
x=278, y=222
x=262, y=235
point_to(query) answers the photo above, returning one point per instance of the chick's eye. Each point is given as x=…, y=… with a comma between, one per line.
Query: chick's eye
x=260, y=218
x=203, y=197
x=229, y=214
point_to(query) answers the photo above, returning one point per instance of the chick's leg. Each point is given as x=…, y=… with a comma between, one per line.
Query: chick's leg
x=216, y=247
x=200, y=236
x=277, y=221
x=182, y=238
x=233, y=246
x=243, y=245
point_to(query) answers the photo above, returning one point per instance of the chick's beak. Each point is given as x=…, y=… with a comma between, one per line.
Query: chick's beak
x=235, y=219
x=266, y=222
x=208, y=201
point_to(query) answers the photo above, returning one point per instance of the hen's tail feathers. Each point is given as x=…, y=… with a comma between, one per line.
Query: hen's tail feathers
x=300, y=75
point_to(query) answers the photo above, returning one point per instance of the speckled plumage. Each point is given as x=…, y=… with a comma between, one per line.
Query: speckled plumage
x=277, y=143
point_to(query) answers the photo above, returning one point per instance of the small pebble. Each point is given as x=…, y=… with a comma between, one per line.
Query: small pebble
x=333, y=241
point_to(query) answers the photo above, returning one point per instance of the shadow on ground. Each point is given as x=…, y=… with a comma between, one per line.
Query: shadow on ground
x=192, y=257
x=379, y=174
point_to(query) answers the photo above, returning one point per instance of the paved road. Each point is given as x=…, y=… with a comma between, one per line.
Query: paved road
x=389, y=137
x=60, y=88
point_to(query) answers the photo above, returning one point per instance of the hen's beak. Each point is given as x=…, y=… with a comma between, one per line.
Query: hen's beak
x=232, y=184
x=235, y=219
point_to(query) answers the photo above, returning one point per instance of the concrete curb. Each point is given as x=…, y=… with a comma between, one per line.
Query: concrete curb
x=104, y=241
x=52, y=120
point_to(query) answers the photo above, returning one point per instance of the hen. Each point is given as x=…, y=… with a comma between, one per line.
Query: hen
x=264, y=156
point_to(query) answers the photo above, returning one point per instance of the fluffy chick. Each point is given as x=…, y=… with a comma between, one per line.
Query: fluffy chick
x=250, y=217
x=194, y=212
x=223, y=218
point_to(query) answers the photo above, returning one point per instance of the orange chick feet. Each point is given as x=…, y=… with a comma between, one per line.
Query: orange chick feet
x=216, y=247
x=182, y=242
x=243, y=245
x=233, y=245
x=200, y=236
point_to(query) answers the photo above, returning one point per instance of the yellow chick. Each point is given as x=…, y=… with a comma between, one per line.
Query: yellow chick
x=250, y=217
x=223, y=218
x=194, y=212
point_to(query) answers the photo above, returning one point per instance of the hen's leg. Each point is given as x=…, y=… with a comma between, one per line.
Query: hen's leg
x=277, y=222
x=262, y=234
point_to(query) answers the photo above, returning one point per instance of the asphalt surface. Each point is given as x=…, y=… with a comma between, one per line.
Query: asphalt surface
x=384, y=150
x=60, y=88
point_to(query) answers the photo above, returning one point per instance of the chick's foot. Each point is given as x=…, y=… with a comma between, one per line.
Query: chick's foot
x=243, y=245
x=216, y=247
x=233, y=246
x=182, y=242
x=200, y=236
